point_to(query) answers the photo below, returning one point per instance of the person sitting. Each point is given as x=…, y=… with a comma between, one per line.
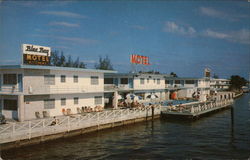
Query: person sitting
x=54, y=122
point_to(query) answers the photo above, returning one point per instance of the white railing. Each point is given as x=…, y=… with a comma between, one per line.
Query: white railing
x=41, y=127
x=9, y=89
x=197, y=107
x=63, y=89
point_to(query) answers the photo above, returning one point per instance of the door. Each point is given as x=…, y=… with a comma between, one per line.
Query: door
x=0, y=82
x=20, y=82
x=130, y=82
x=116, y=81
x=1, y=108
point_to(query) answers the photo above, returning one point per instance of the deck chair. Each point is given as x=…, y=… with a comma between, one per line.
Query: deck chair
x=45, y=114
x=38, y=115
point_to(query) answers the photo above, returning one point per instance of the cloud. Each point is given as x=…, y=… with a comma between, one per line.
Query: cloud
x=138, y=27
x=63, y=14
x=74, y=40
x=64, y=24
x=9, y=61
x=173, y=27
x=214, y=34
x=60, y=47
x=36, y=3
x=238, y=36
x=241, y=36
x=211, y=12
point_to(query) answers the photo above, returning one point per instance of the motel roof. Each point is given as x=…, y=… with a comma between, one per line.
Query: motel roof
x=185, y=78
x=134, y=74
x=54, y=68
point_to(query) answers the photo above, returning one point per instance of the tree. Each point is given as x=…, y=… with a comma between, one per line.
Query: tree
x=215, y=76
x=69, y=62
x=173, y=74
x=76, y=63
x=54, y=59
x=237, y=82
x=82, y=65
x=104, y=63
x=62, y=61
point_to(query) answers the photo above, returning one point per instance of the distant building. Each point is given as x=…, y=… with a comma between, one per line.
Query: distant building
x=219, y=84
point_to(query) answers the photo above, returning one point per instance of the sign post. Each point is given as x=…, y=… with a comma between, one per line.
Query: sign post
x=138, y=60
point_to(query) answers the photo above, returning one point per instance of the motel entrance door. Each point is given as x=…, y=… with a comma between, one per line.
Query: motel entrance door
x=130, y=83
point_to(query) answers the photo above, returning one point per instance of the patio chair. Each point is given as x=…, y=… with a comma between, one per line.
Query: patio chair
x=45, y=114
x=37, y=114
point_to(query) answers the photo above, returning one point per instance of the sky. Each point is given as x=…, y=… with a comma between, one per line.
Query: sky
x=183, y=37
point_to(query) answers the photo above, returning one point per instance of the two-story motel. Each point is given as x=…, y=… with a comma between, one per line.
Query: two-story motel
x=162, y=86
x=31, y=91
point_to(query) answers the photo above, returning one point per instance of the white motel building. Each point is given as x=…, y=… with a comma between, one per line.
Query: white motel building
x=27, y=91
x=36, y=90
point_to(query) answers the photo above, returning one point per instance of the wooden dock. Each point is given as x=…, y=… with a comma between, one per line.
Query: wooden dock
x=195, y=109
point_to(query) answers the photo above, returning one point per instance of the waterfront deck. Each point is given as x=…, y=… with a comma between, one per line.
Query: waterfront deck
x=39, y=130
x=195, y=109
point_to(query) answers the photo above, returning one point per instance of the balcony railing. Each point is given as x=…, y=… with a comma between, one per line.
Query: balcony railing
x=10, y=90
x=63, y=90
x=113, y=87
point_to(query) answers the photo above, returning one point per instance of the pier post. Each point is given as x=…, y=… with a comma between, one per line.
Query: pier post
x=153, y=110
x=232, y=119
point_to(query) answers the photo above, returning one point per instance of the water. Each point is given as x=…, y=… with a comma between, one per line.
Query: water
x=207, y=138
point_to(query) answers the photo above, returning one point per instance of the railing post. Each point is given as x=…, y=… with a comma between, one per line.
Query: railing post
x=192, y=109
x=43, y=125
x=121, y=115
x=13, y=129
x=29, y=129
x=79, y=120
x=68, y=123
x=98, y=118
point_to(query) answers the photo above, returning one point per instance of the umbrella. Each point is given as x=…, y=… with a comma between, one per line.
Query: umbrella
x=130, y=96
x=152, y=96
x=119, y=97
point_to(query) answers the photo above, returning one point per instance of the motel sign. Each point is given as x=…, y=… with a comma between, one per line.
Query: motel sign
x=138, y=59
x=36, y=55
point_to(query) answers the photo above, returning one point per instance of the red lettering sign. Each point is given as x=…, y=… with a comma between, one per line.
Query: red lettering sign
x=138, y=59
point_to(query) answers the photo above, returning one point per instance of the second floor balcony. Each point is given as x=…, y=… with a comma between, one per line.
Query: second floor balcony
x=12, y=90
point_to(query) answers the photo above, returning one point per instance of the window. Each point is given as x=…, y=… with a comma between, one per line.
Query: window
x=148, y=80
x=63, y=101
x=49, y=79
x=75, y=79
x=142, y=80
x=98, y=100
x=124, y=80
x=9, y=79
x=94, y=80
x=108, y=80
x=49, y=103
x=63, y=78
x=189, y=81
x=10, y=104
x=76, y=99
x=158, y=81
x=167, y=82
x=177, y=82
